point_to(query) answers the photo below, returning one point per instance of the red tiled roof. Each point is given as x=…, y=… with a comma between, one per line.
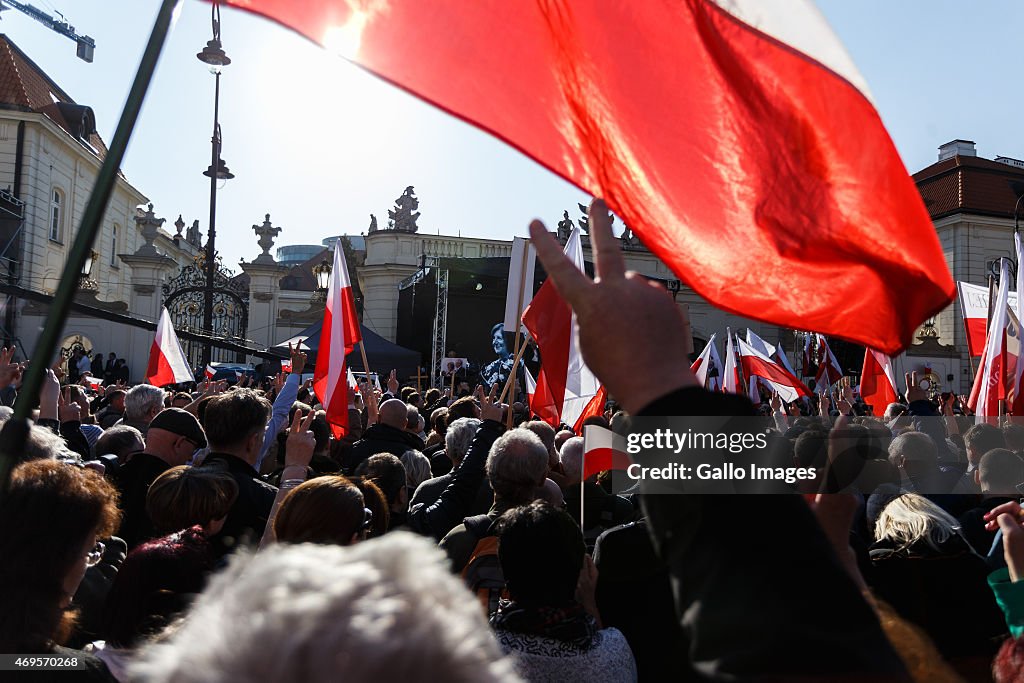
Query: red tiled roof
x=25, y=87
x=965, y=184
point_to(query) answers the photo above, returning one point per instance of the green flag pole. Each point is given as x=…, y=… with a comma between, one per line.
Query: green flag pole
x=12, y=438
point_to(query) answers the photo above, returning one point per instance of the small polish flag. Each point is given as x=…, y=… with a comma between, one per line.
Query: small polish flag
x=210, y=372
x=286, y=365
x=238, y=375
x=93, y=382
x=603, y=450
x=352, y=383
x=167, y=363
x=756, y=364
x=877, y=381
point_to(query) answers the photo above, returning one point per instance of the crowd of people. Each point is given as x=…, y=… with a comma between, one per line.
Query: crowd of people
x=226, y=534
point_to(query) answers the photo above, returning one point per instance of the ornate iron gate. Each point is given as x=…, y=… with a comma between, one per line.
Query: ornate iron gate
x=184, y=298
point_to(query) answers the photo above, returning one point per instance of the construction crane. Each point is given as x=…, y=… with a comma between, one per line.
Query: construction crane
x=86, y=45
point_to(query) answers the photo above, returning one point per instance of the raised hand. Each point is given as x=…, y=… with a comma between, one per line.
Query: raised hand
x=298, y=359
x=914, y=390
x=49, y=395
x=647, y=358
x=58, y=368
x=300, y=443
x=776, y=402
x=68, y=411
x=10, y=372
x=393, y=383
x=490, y=407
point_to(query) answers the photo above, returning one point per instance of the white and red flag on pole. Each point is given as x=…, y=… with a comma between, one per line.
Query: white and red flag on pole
x=731, y=381
x=708, y=367
x=286, y=365
x=603, y=450
x=564, y=379
x=772, y=74
x=167, y=362
x=990, y=382
x=829, y=370
x=209, y=372
x=757, y=364
x=1017, y=405
x=877, y=381
x=541, y=403
x=353, y=385
x=340, y=333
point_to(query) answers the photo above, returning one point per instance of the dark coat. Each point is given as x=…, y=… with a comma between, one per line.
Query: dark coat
x=247, y=519
x=380, y=438
x=133, y=480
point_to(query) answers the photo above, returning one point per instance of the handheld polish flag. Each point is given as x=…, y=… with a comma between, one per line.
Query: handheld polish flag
x=603, y=450
x=757, y=364
x=708, y=367
x=829, y=370
x=209, y=372
x=990, y=382
x=767, y=350
x=340, y=334
x=1017, y=407
x=877, y=381
x=286, y=365
x=353, y=385
x=519, y=293
x=572, y=388
x=974, y=309
x=93, y=383
x=731, y=384
x=768, y=73
x=167, y=362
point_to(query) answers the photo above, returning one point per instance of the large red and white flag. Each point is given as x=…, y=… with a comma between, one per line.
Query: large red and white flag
x=708, y=367
x=877, y=381
x=829, y=370
x=704, y=124
x=167, y=362
x=757, y=364
x=731, y=381
x=974, y=309
x=564, y=379
x=340, y=333
x=603, y=450
x=990, y=382
x=1017, y=404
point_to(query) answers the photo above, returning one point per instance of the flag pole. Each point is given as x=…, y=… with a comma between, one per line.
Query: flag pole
x=515, y=363
x=366, y=365
x=453, y=383
x=519, y=325
x=92, y=219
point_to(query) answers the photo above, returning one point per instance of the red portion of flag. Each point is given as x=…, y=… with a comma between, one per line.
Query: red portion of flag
x=779, y=155
x=336, y=341
x=876, y=386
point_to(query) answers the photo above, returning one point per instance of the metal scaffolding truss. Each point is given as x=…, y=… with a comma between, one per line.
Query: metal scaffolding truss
x=440, y=324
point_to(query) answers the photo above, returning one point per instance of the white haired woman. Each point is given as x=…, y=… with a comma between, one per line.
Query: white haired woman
x=923, y=567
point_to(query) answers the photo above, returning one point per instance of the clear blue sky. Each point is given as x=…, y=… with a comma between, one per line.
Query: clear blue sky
x=320, y=145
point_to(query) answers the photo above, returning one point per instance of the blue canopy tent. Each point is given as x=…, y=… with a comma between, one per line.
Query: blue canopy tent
x=382, y=355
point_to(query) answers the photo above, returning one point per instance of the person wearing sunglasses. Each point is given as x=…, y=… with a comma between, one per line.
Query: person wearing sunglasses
x=51, y=521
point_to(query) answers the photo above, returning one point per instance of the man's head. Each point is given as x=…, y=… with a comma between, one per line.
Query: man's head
x=915, y=454
x=980, y=439
x=458, y=438
x=464, y=407
x=235, y=422
x=999, y=472
x=181, y=399
x=393, y=413
x=414, y=399
x=414, y=421
x=516, y=466
x=142, y=403
x=894, y=410
x=561, y=437
x=541, y=553
x=571, y=457
x=439, y=420
x=185, y=496
x=117, y=399
x=120, y=440
x=174, y=436
x=546, y=434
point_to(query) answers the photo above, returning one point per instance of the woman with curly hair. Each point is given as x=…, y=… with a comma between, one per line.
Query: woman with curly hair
x=51, y=521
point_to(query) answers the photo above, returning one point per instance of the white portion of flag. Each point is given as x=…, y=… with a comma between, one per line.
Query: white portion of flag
x=167, y=341
x=520, y=280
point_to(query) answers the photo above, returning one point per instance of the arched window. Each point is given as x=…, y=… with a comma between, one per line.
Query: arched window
x=57, y=215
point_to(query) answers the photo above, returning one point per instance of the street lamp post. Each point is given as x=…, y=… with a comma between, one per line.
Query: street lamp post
x=213, y=54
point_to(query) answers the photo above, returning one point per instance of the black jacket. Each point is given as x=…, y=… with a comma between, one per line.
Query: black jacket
x=439, y=517
x=380, y=438
x=133, y=480
x=758, y=588
x=247, y=519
